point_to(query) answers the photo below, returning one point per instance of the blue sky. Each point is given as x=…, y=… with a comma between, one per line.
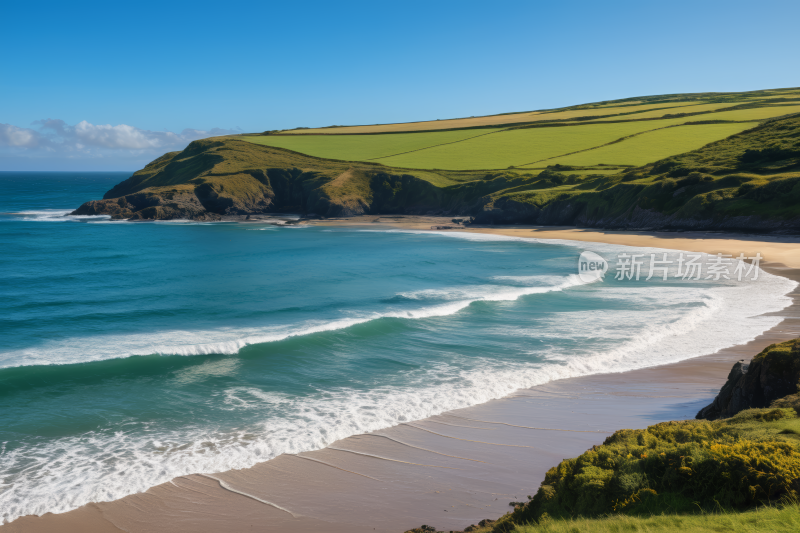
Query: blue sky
x=102, y=85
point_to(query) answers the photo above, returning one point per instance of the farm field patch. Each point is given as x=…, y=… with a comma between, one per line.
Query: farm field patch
x=654, y=145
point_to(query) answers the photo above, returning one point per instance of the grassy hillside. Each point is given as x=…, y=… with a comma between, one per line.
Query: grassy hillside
x=646, y=172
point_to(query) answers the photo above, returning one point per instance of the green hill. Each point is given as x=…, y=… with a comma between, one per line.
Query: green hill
x=726, y=161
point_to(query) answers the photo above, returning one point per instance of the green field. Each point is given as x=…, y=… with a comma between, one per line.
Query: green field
x=672, y=110
x=758, y=113
x=654, y=145
x=500, y=149
x=519, y=147
x=365, y=147
x=465, y=149
x=710, y=112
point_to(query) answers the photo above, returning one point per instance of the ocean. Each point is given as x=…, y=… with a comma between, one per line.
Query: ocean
x=131, y=353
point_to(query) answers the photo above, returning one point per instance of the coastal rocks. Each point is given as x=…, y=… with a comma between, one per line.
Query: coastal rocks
x=167, y=205
x=482, y=525
x=771, y=375
x=507, y=211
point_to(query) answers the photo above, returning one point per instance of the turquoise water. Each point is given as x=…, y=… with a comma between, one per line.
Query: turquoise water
x=131, y=353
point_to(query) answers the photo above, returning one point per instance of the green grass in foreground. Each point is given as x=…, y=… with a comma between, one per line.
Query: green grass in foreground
x=769, y=519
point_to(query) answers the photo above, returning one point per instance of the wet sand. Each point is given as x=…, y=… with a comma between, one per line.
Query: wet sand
x=450, y=470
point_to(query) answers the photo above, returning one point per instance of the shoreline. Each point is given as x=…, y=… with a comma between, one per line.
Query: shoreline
x=456, y=468
x=783, y=249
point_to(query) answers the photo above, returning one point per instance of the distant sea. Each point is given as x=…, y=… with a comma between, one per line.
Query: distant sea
x=131, y=353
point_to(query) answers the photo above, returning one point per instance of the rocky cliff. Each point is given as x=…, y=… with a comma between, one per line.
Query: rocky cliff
x=772, y=375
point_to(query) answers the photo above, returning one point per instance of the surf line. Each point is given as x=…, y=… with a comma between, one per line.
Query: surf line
x=529, y=427
x=456, y=425
x=333, y=466
x=387, y=459
x=418, y=448
x=467, y=440
x=256, y=498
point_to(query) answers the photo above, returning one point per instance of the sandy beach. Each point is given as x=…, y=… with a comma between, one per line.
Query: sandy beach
x=457, y=468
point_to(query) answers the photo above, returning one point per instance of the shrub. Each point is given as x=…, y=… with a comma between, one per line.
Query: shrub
x=788, y=402
x=673, y=467
x=772, y=153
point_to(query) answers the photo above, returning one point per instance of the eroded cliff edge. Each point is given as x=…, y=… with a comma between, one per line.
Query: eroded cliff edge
x=773, y=375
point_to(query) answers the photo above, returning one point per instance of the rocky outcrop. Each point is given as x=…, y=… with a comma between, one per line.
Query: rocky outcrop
x=150, y=206
x=771, y=375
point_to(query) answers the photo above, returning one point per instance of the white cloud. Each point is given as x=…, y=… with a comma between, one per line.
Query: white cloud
x=121, y=136
x=95, y=140
x=13, y=136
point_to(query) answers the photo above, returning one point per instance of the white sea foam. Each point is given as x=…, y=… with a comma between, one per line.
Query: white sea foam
x=231, y=340
x=495, y=293
x=44, y=212
x=55, y=215
x=689, y=321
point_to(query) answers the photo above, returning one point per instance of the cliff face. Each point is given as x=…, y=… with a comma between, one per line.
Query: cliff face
x=771, y=375
x=214, y=178
x=577, y=212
